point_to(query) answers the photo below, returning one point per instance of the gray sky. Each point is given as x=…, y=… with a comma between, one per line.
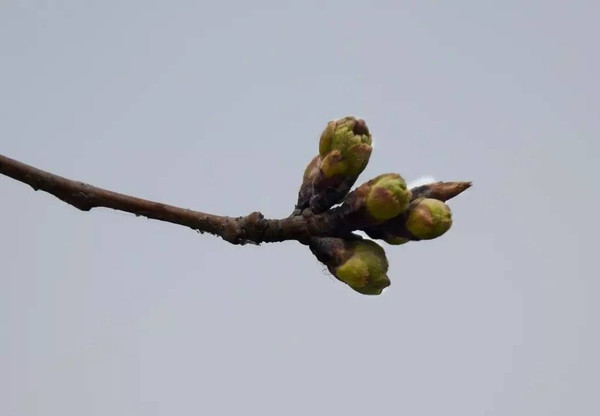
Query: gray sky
x=218, y=107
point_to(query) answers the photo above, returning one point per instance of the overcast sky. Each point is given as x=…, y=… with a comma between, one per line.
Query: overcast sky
x=218, y=106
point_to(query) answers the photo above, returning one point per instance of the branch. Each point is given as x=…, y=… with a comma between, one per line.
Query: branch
x=252, y=228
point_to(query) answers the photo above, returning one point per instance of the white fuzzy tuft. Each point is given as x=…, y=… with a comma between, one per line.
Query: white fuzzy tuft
x=424, y=180
x=362, y=234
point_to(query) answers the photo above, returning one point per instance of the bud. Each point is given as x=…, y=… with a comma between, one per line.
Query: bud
x=352, y=139
x=361, y=264
x=381, y=199
x=344, y=151
x=344, y=134
x=388, y=197
x=428, y=218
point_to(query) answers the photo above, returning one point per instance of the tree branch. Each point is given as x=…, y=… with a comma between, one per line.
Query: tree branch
x=252, y=228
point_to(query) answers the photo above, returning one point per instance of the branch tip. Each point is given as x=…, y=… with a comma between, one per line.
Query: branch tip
x=440, y=190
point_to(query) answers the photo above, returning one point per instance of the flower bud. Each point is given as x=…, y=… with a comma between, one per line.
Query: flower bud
x=346, y=140
x=378, y=200
x=387, y=197
x=343, y=134
x=428, y=218
x=344, y=151
x=361, y=264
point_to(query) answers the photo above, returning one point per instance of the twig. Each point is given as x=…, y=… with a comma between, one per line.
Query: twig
x=252, y=228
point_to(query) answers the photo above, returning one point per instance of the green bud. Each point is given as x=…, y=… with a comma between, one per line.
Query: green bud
x=342, y=134
x=365, y=270
x=428, y=218
x=344, y=151
x=377, y=201
x=388, y=197
x=361, y=264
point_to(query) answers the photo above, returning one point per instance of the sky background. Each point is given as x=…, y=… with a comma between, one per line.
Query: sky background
x=218, y=107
